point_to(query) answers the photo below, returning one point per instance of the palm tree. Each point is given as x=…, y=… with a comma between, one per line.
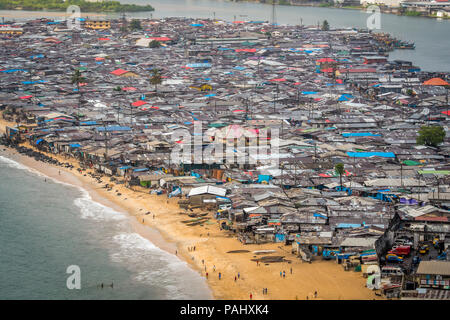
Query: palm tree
x=77, y=78
x=156, y=78
x=339, y=168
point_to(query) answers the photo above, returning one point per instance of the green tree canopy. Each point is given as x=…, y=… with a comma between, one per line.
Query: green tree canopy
x=431, y=135
x=154, y=44
x=339, y=168
x=77, y=78
x=135, y=24
x=325, y=25
x=156, y=78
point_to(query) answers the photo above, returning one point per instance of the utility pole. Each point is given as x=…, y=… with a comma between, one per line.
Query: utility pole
x=274, y=17
x=106, y=140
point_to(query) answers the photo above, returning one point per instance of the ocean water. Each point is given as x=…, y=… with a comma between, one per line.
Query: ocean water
x=47, y=226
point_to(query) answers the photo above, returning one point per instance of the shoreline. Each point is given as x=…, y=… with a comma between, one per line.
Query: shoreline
x=212, y=244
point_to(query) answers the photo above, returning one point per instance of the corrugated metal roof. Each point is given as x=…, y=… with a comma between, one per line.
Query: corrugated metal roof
x=434, y=267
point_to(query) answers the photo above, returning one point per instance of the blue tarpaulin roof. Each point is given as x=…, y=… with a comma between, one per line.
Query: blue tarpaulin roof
x=114, y=128
x=309, y=92
x=348, y=225
x=13, y=70
x=360, y=134
x=88, y=123
x=371, y=154
x=345, y=97
x=33, y=82
x=140, y=169
x=198, y=65
x=75, y=145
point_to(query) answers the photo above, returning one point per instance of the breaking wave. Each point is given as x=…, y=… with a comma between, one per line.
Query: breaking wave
x=93, y=210
x=156, y=267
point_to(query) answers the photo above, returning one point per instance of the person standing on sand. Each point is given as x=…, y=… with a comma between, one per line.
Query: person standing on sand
x=281, y=274
x=315, y=294
x=235, y=278
x=207, y=275
x=220, y=275
x=291, y=270
x=251, y=296
x=214, y=268
x=284, y=274
x=239, y=275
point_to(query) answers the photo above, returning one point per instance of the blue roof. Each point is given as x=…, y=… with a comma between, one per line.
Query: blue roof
x=88, y=123
x=75, y=145
x=13, y=70
x=371, y=154
x=309, y=92
x=199, y=65
x=345, y=97
x=114, y=128
x=360, y=134
x=348, y=225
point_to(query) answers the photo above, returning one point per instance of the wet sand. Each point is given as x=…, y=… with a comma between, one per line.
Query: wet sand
x=164, y=228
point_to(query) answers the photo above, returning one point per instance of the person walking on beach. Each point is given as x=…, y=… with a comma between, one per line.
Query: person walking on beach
x=235, y=278
x=281, y=274
x=220, y=275
x=207, y=275
x=291, y=270
x=239, y=275
x=315, y=294
x=284, y=274
x=214, y=268
x=251, y=296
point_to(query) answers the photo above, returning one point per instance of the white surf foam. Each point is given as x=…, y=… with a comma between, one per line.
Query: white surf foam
x=131, y=248
x=156, y=267
x=93, y=210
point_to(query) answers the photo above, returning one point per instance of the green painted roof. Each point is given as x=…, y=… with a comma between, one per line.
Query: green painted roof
x=445, y=172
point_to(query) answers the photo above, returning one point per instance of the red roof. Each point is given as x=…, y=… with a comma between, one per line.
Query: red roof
x=160, y=38
x=138, y=103
x=362, y=70
x=129, y=89
x=436, y=82
x=119, y=72
x=278, y=80
x=104, y=39
x=26, y=97
x=325, y=60
x=435, y=219
x=245, y=50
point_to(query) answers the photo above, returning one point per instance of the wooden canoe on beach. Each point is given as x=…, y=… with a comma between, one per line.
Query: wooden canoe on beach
x=270, y=259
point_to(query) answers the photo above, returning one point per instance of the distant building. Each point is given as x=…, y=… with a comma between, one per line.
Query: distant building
x=97, y=24
x=434, y=274
x=387, y=3
x=11, y=31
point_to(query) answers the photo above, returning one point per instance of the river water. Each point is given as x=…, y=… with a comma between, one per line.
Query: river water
x=431, y=36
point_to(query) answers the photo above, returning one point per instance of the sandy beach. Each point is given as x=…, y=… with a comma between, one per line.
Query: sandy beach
x=164, y=228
